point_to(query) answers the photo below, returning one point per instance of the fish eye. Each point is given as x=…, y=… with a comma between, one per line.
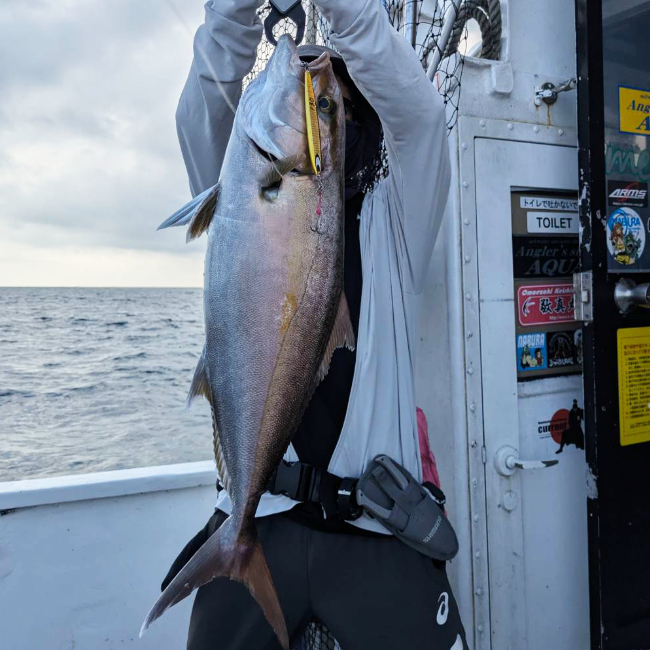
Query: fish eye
x=325, y=104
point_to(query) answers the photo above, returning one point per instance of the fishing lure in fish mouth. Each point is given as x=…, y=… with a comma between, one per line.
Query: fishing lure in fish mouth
x=313, y=130
x=313, y=137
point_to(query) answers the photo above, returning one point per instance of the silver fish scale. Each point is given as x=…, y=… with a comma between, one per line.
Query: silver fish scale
x=273, y=282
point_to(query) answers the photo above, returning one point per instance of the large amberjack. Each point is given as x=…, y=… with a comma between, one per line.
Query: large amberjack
x=274, y=303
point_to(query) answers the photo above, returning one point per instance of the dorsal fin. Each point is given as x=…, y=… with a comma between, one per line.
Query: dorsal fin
x=342, y=335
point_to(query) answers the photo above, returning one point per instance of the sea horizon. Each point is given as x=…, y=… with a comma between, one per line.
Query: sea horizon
x=95, y=378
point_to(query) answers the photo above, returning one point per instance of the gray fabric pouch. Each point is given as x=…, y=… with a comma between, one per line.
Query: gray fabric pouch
x=389, y=494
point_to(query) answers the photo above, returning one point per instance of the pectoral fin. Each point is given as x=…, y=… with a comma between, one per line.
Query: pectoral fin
x=197, y=213
x=342, y=335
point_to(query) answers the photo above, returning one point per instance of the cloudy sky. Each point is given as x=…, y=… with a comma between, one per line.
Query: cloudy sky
x=89, y=161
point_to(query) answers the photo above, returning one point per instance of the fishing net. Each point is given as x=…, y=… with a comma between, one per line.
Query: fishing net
x=476, y=31
x=317, y=637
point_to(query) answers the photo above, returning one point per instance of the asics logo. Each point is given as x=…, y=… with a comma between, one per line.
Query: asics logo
x=443, y=609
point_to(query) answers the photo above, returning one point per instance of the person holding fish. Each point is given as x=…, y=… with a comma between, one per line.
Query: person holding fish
x=321, y=513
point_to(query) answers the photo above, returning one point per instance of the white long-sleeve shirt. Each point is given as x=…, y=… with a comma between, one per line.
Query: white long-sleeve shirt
x=399, y=220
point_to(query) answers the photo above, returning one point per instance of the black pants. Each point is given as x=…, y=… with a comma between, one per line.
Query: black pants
x=372, y=593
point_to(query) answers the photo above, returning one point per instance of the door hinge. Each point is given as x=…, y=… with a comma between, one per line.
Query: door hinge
x=583, y=296
x=483, y=455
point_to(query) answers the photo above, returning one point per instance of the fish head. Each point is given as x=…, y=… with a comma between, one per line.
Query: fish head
x=272, y=111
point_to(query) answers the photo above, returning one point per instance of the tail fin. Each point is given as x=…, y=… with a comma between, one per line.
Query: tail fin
x=242, y=560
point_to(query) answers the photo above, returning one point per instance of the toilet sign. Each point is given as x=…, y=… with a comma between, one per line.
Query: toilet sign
x=565, y=223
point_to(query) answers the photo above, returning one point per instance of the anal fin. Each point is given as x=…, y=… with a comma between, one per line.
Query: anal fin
x=342, y=336
x=201, y=386
x=200, y=382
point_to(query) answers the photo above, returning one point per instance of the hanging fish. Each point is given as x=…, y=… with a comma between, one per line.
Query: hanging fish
x=274, y=303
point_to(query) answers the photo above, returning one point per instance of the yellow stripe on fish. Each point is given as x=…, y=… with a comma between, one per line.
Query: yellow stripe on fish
x=313, y=130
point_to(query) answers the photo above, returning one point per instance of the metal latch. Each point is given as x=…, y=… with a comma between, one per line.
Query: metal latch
x=548, y=92
x=629, y=295
x=584, y=295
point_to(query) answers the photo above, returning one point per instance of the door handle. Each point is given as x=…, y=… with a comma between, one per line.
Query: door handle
x=629, y=295
x=506, y=462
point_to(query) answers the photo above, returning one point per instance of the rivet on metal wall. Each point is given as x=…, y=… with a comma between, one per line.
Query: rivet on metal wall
x=536, y=129
x=480, y=628
x=466, y=222
x=467, y=259
x=472, y=407
x=479, y=591
x=560, y=131
x=474, y=443
x=482, y=123
x=477, y=554
x=464, y=145
x=470, y=334
x=468, y=296
x=475, y=518
x=470, y=371
x=510, y=126
x=474, y=482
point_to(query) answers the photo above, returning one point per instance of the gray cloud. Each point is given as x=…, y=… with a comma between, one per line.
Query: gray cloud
x=88, y=149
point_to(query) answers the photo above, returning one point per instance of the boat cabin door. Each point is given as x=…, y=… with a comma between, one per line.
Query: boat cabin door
x=613, y=298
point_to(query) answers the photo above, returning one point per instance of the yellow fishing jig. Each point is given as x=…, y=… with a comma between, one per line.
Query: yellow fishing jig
x=313, y=130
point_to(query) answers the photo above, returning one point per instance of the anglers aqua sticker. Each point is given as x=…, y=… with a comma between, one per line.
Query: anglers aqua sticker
x=634, y=110
x=625, y=236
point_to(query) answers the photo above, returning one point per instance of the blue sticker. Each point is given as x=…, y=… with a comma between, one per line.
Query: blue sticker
x=625, y=236
x=531, y=352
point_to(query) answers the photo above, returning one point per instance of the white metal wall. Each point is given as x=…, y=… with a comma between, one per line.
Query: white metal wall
x=82, y=574
x=497, y=101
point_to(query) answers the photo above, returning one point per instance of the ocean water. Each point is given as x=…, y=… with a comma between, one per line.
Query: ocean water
x=96, y=379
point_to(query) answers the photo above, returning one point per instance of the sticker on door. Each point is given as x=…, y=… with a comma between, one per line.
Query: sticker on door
x=531, y=352
x=544, y=304
x=564, y=427
x=625, y=236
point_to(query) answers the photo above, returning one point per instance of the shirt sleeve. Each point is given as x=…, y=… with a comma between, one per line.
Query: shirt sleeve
x=224, y=53
x=387, y=71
